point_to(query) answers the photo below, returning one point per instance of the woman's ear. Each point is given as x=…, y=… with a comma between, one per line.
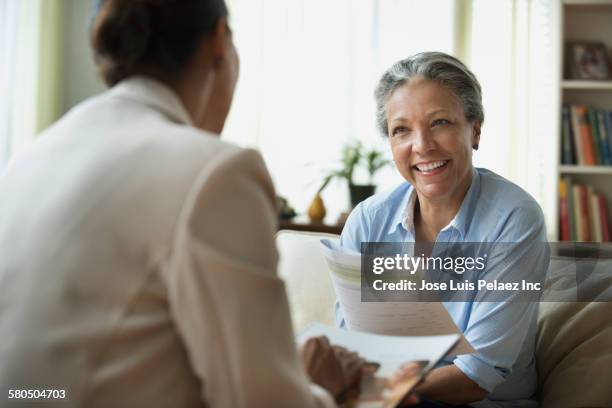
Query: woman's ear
x=224, y=75
x=475, y=135
x=219, y=38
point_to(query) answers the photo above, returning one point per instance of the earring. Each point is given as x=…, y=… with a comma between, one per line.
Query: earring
x=475, y=146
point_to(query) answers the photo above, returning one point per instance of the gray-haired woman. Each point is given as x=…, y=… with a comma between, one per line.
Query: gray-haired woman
x=429, y=106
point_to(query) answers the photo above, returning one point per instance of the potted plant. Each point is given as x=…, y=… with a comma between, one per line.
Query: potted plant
x=374, y=161
x=354, y=155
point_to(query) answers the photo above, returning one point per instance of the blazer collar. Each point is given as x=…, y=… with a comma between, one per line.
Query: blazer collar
x=155, y=94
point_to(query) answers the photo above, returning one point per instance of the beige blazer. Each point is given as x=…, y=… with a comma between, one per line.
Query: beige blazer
x=138, y=266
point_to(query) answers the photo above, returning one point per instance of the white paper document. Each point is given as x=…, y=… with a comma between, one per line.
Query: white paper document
x=391, y=352
x=416, y=318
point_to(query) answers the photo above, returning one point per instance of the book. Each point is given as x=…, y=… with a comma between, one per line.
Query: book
x=577, y=212
x=603, y=216
x=596, y=230
x=608, y=124
x=586, y=140
x=564, y=231
x=584, y=213
x=575, y=121
x=570, y=209
x=594, y=133
x=567, y=138
x=391, y=353
x=604, y=137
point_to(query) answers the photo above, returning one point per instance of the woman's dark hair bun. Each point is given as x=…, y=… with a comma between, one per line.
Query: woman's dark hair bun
x=121, y=37
x=131, y=36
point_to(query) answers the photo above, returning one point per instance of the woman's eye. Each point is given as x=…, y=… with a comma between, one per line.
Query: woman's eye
x=439, y=122
x=399, y=130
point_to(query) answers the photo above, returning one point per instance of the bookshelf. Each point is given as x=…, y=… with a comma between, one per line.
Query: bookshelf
x=588, y=21
x=577, y=169
x=586, y=85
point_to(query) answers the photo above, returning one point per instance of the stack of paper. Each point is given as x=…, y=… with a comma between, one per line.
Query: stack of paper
x=410, y=318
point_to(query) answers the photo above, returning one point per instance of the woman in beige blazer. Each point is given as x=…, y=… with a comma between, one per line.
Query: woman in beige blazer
x=138, y=264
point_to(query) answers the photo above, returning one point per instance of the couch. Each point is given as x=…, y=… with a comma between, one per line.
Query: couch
x=574, y=343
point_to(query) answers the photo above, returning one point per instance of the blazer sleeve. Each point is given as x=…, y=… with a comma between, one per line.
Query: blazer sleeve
x=228, y=304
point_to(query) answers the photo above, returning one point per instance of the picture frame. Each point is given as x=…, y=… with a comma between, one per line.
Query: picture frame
x=587, y=61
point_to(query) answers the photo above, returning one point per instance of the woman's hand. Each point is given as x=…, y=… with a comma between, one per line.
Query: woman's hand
x=408, y=372
x=335, y=368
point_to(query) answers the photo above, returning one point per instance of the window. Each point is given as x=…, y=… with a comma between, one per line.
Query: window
x=308, y=72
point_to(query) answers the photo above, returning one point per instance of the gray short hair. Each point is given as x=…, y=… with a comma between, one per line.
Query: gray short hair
x=435, y=66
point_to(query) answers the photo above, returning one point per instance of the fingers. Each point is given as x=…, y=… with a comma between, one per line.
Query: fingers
x=353, y=364
x=322, y=365
x=309, y=351
x=353, y=369
x=410, y=369
x=336, y=368
x=316, y=354
x=369, y=368
x=323, y=340
x=405, y=372
x=313, y=348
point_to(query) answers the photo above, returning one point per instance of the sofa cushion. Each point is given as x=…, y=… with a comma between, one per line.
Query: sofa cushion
x=574, y=345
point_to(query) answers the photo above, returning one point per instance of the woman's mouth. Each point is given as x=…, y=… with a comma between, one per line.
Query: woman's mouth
x=432, y=167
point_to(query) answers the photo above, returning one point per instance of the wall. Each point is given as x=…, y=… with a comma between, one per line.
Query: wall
x=79, y=78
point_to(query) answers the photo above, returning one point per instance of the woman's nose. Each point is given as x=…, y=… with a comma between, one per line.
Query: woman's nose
x=423, y=142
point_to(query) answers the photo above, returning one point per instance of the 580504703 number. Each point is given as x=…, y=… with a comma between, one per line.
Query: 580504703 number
x=37, y=394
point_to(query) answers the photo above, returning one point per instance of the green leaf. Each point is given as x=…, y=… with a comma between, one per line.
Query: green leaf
x=354, y=154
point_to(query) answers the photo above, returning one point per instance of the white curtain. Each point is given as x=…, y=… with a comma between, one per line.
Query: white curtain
x=30, y=54
x=8, y=51
x=513, y=51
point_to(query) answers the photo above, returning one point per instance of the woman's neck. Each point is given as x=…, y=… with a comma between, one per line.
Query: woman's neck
x=432, y=215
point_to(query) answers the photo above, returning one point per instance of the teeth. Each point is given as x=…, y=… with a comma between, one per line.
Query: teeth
x=430, y=166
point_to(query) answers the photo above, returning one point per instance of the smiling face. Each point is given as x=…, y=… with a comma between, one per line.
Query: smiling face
x=431, y=140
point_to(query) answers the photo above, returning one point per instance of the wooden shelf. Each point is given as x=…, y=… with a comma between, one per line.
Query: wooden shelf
x=587, y=85
x=572, y=169
x=588, y=2
x=302, y=224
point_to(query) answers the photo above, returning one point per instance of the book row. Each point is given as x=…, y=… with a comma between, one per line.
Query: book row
x=583, y=214
x=586, y=135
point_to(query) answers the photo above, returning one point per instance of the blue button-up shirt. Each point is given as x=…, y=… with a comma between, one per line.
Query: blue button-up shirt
x=502, y=333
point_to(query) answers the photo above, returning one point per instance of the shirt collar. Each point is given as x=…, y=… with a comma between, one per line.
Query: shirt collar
x=154, y=94
x=405, y=216
x=460, y=222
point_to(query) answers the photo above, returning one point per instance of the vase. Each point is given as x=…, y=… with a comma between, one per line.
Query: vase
x=316, y=211
x=360, y=192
